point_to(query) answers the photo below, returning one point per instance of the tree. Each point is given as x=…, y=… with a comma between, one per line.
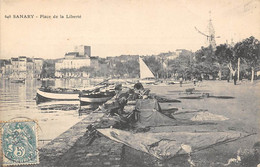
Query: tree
x=48, y=69
x=132, y=68
x=183, y=65
x=224, y=57
x=87, y=69
x=248, y=50
x=206, y=61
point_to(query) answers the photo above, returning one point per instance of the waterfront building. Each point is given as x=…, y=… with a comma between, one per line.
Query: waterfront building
x=30, y=68
x=69, y=66
x=15, y=68
x=6, y=69
x=38, y=65
x=22, y=67
x=74, y=64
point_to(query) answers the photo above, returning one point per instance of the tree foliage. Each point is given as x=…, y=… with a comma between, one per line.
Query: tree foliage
x=248, y=51
x=154, y=65
x=182, y=66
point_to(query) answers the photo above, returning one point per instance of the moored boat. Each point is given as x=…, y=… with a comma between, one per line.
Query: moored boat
x=18, y=80
x=47, y=94
x=98, y=97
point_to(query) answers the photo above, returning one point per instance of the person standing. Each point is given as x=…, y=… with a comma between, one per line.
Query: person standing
x=235, y=78
x=199, y=80
x=181, y=80
x=194, y=81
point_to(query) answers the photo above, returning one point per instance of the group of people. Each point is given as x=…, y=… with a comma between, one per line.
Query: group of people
x=198, y=80
x=123, y=95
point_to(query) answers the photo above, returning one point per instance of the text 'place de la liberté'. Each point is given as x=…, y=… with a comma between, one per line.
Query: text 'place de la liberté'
x=42, y=16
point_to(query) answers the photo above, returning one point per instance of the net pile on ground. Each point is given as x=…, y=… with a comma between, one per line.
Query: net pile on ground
x=149, y=114
x=167, y=144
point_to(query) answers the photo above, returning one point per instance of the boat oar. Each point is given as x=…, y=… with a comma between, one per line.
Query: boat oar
x=102, y=82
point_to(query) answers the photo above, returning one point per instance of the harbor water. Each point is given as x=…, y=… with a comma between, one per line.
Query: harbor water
x=18, y=102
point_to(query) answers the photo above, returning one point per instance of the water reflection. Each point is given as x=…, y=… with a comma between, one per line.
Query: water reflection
x=85, y=109
x=59, y=105
x=68, y=83
x=18, y=100
x=23, y=94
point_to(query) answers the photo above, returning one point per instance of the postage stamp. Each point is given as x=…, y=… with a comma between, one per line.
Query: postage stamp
x=19, y=143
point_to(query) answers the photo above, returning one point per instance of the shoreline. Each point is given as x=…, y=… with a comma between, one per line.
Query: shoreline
x=61, y=144
x=102, y=151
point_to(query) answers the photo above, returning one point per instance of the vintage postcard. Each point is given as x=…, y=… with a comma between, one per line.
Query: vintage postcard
x=130, y=83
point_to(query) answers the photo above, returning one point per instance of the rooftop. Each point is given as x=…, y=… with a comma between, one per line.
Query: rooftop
x=29, y=60
x=71, y=53
x=38, y=58
x=14, y=59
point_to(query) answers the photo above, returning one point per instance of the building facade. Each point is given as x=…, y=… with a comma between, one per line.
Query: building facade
x=76, y=64
x=22, y=67
x=38, y=65
x=6, y=69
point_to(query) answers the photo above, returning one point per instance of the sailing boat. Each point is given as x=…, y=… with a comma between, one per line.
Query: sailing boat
x=146, y=75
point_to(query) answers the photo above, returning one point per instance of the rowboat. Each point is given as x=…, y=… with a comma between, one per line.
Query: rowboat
x=47, y=94
x=18, y=80
x=96, y=97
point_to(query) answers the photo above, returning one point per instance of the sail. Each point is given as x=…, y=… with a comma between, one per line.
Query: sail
x=145, y=72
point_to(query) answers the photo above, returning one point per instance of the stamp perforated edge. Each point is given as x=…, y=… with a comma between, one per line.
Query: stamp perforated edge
x=36, y=135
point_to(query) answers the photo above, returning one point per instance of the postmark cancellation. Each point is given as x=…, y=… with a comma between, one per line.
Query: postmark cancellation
x=19, y=143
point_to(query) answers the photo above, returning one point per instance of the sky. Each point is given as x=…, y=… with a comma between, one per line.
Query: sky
x=116, y=27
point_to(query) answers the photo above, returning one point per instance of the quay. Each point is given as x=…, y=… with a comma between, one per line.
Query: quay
x=71, y=149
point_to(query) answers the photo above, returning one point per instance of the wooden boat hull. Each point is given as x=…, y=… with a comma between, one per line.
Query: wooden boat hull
x=48, y=96
x=148, y=82
x=98, y=98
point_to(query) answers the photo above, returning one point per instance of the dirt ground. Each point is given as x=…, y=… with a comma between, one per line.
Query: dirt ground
x=243, y=112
